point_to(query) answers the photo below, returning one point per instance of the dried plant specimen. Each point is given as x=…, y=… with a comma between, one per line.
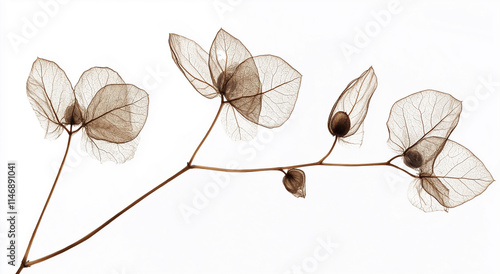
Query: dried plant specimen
x=455, y=177
x=110, y=112
x=255, y=90
x=350, y=109
x=449, y=174
x=295, y=182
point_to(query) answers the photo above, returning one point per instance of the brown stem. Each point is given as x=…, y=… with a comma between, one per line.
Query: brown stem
x=88, y=236
x=281, y=168
x=393, y=158
x=191, y=166
x=23, y=262
x=254, y=169
x=186, y=168
x=405, y=171
x=329, y=152
x=208, y=132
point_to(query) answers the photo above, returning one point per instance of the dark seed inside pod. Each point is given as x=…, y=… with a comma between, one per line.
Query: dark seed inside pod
x=73, y=115
x=221, y=82
x=340, y=124
x=413, y=159
x=295, y=182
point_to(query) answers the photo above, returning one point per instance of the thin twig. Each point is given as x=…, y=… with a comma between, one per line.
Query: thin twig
x=88, y=236
x=191, y=166
x=281, y=168
x=329, y=152
x=208, y=132
x=25, y=258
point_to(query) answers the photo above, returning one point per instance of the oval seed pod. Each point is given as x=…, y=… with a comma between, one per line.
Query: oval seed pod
x=413, y=158
x=340, y=124
x=352, y=106
x=295, y=182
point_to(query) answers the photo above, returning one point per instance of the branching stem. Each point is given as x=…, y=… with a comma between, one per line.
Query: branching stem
x=183, y=170
x=330, y=151
x=88, y=236
x=25, y=258
x=281, y=168
x=208, y=132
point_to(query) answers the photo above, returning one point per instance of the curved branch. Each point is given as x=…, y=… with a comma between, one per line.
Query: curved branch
x=88, y=236
x=329, y=152
x=208, y=132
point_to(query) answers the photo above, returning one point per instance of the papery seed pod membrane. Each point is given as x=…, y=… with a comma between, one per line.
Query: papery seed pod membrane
x=349, y=111
x=224, y=77
x=412, y=158
x=73, y=115
x=422, y=115
x=339, y=124
x=295, y=182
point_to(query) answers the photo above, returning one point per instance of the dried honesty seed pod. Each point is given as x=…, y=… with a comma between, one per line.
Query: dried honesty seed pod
x=111, y=113
x=456, y=176
x=257, y=90
x=449, y=174
x=350, y=109
x=295, y=182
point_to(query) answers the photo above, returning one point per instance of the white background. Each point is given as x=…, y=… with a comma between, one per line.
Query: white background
x=251, y=224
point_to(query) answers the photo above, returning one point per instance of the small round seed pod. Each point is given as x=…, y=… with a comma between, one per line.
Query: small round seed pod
x=295, y=182
x=339, y=124
x=413, y=158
